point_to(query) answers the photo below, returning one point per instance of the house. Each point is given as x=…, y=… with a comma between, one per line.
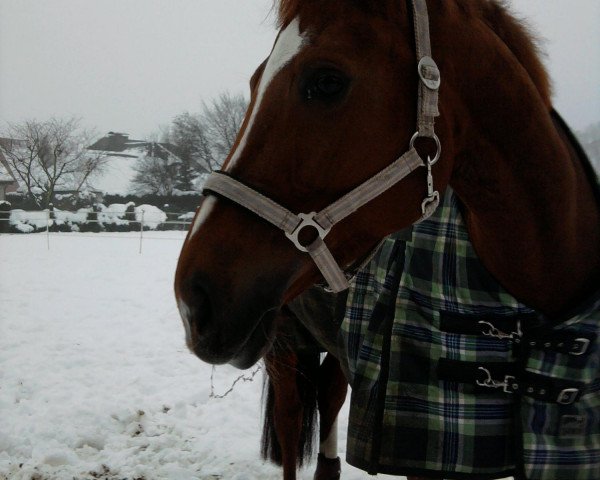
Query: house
x=118, y=145
x=122, y=153
x=8, y=180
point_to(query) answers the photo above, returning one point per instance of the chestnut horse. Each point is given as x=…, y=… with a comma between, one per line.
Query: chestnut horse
x=336, y=103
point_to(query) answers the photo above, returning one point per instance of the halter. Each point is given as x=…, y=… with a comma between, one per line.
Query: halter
x=222, y=184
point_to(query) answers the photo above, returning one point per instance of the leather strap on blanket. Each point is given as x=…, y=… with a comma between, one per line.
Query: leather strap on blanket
x=505, y=376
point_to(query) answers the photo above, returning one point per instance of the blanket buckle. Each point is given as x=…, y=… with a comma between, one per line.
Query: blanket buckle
x=508, y=385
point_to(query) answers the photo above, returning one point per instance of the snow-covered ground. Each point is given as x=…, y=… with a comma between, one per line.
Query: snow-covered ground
x=95, y=378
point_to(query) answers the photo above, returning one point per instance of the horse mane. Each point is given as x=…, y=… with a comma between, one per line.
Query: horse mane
x=515, y=33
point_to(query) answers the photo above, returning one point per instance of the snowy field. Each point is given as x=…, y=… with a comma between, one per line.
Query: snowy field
x=95, y=378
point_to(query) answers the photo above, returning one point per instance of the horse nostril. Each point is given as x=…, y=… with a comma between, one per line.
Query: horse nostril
x=198, y=302
x=195, y=306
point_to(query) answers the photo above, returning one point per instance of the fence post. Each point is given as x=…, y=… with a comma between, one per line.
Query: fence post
x=141, y=231
x=48, y=229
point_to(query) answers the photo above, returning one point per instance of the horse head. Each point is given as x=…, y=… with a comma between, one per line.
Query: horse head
x=334, y=103
x=337, y=102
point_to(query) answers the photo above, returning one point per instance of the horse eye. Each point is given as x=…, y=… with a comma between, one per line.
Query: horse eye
x=326, y=85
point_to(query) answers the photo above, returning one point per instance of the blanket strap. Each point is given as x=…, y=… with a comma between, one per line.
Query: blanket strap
x=505, y=376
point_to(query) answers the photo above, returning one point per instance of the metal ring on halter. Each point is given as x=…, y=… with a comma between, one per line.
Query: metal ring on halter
x=438, y=145
x=308, y=220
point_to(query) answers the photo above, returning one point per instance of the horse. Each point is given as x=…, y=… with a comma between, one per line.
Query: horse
x=296, y=382
x=297, y=386
x=332, y=107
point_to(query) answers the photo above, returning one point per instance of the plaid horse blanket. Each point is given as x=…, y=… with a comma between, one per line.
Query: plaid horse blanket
x=452, y=377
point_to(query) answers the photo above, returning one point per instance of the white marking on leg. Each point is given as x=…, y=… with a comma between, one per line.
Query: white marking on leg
x=288, y=45
x=205, y=210
x=329, y=446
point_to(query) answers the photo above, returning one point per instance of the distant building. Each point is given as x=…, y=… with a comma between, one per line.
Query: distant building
x=8, y=180
x=119, y=170
x=117, y=143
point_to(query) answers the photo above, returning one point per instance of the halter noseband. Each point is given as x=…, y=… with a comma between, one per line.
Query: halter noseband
x=292, y=224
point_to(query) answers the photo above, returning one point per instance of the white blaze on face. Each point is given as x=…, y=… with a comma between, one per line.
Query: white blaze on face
x=288, y=45
x=203, y=213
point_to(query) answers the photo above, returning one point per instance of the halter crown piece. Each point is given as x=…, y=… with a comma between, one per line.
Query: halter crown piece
x=429, y=74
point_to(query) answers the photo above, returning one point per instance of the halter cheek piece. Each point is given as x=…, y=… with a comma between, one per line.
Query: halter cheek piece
x=292, y=224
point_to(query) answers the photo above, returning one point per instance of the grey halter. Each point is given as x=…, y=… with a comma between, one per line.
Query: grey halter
x=292, y=224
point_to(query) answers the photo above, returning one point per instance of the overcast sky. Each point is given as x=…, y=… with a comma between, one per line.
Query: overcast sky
x=132, y=65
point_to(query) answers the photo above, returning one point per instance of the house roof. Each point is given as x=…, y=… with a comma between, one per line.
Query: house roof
x=6, y=174
x=116, y=142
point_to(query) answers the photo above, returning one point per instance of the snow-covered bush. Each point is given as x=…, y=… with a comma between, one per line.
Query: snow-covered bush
x=64, y=221
x=151, y=215
x=100, y=218
x=22, y=221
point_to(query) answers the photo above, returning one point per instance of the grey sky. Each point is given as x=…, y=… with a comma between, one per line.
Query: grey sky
x=132, y=65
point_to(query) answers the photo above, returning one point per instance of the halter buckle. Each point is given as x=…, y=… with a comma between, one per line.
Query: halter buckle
x=306, y=220
x=429, y=73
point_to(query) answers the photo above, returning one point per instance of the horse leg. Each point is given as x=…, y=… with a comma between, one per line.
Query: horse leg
x=332, y=389
x=287, y=409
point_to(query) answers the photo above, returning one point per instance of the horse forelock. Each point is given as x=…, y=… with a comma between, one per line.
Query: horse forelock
x=287, y=10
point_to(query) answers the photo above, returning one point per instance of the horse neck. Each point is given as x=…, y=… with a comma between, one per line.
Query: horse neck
x=530, y=209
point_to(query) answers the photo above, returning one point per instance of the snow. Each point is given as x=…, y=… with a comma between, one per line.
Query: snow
x=116, y=175
x=64, y=216
x=152, y=216
x=187, y=217
x=4, y=175
x=114, y=213
x=95, y=378
x=28, y=221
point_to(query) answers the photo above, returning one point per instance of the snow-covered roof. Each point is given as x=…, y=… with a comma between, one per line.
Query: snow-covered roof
x=6, y=175
x=117, y=173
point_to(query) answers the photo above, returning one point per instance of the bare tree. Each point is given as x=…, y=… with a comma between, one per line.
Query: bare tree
x=156, y=172
x=201, y=143
x=189, y=134
x=49, y=155
x=204, y=140
x=223, y=119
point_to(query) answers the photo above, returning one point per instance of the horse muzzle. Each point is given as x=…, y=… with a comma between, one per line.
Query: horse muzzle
x=219, y=332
